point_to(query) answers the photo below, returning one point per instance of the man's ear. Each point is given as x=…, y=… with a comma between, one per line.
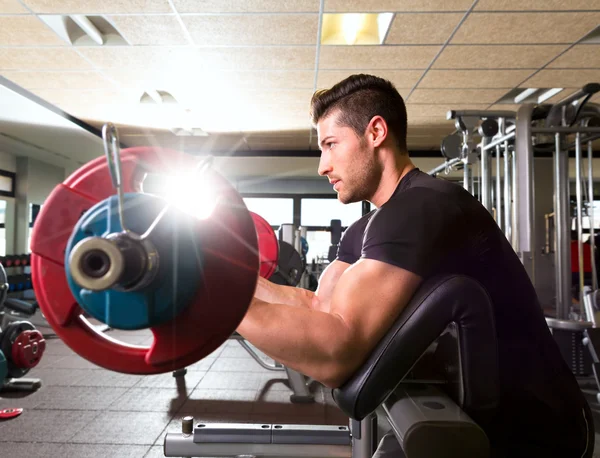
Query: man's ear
x=377, y=130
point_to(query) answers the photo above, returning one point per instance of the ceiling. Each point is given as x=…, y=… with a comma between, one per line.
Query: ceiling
x=243, y=72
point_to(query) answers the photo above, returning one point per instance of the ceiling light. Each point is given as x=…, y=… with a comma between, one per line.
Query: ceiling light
x=525, y=94
x=548, y=94
x=89, y=28
x=355, y=28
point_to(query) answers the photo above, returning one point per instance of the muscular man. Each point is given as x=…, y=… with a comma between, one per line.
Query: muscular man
x=422, y=226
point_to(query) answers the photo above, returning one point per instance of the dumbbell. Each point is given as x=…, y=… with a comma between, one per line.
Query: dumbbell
x=22, y=346
x=145, y=265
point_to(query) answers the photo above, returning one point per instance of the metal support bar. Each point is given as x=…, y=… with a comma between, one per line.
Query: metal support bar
x=508, y=192
x=524, y=235
x=453, y=114
x=565, y=130
x=591, y=215
x=562, y=231
x=443, y=167
x=579, y=203
x=364, y=437
x=500, y=140
x=485, y=177
x=499, y=206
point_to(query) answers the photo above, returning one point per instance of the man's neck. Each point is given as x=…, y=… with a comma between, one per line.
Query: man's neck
x=392, y=175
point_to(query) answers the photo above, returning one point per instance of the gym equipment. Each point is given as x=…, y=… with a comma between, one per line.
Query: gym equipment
x=429, y=419
x=289, y=266
x=3, y=366
x=268, y=247
x=335, y=228
x=96, y=251
x=23, y=346
x=10, y=413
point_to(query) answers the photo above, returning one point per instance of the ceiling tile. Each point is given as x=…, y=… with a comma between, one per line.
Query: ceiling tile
x=501, y=56
x=99, y=6
x=523, y=28
x=247, y=6
x=253, y=29
x=431, y=110
x=427, y=28
x=41, y=59
x=58, y=80
x=456, y=95
x=402, y=79
x=150, y=30
x=562, y=78
x=376, y=57
x=173, y=78
x=365, y=6
x=258, y=58
x=579, y=56
x=151, y=58
x=81, y=100
x=428, y=122
x=473, y=79
x=26, y=31
x=540, y=5
x=12, y=7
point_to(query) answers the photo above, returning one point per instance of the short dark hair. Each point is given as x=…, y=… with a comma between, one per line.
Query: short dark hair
x=359, y=98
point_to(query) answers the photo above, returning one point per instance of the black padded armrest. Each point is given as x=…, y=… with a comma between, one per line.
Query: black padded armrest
x=438, y=302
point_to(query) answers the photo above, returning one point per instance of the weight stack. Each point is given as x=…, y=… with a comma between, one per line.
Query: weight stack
x=573, y=351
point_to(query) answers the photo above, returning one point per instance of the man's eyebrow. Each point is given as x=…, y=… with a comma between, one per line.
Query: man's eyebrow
x=324, y=140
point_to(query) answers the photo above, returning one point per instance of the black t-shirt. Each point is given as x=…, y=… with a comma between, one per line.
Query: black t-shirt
x=431, y=226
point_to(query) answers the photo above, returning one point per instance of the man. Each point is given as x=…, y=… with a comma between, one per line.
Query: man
x=422, y=226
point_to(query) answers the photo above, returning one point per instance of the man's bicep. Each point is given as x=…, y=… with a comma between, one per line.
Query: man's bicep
x=369, y=297
x=327, y=283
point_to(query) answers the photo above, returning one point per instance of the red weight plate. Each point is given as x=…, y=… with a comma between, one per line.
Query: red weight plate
x=28, y=349
x=268, y=246
x=10, y=413
x=227, y=240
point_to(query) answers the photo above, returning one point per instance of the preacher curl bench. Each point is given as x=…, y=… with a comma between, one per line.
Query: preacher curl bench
x=432, y=376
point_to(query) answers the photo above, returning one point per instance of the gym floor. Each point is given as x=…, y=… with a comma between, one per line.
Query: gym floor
x=82, y=410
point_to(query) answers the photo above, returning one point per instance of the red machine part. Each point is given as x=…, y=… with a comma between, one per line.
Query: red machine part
x=229, y=250
x=28, y=349
x=268, y=246
x=5, y=414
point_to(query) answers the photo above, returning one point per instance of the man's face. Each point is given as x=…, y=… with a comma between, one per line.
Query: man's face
x=347, y=160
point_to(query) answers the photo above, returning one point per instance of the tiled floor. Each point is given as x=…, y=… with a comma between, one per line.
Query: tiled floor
x=84, y=411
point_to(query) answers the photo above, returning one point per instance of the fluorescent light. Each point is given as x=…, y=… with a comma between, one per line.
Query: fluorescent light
x=549, y=93
x=355, y=28
x=523, y=95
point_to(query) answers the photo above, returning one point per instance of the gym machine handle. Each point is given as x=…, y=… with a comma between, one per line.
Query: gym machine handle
x=587, y=90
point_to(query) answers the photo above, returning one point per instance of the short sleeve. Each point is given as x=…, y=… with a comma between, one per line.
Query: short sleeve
x=414, y=231
x=350, y=246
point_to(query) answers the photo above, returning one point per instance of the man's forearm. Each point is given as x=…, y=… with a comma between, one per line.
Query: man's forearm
x=279, y=294
x=306, y=340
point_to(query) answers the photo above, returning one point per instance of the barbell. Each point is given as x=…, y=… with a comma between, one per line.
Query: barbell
x=134, y=261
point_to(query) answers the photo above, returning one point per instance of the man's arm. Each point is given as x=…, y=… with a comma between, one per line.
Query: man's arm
x=290, y=295
x=329, y=347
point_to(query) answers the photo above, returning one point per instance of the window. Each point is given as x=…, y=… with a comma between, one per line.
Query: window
x=275, y=210
x=320, y=212
x=318, y=245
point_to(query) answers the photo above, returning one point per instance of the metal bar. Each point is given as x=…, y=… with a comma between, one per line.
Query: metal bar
x=364, y=437
x=177, y=444
x=565, y=130
x=591, y=215
x=524, y=203
x=502, y=139
x=579, y=203
x=453, y=114
x=562, y=230
x=499, y=207
x=467, y=176
x=485, y=177
x=588, y=89
x=444, y=166
x=508, y=192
